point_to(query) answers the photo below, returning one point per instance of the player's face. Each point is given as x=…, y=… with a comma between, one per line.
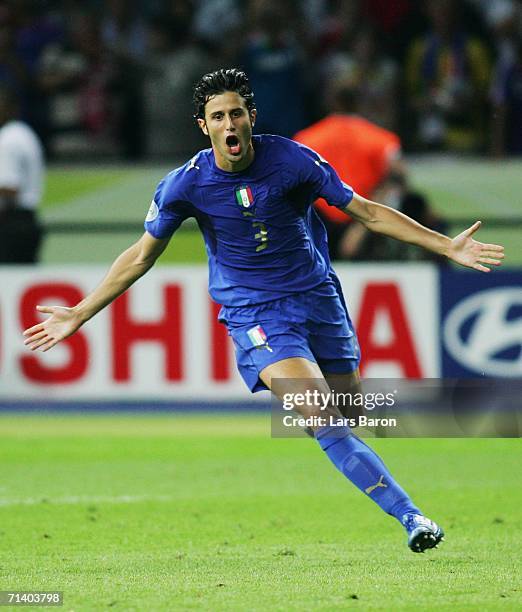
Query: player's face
x=228, y=124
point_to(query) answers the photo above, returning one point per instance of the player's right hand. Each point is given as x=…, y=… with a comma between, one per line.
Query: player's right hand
x=62, y=323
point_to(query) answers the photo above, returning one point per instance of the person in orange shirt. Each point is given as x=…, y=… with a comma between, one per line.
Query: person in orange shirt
x=364, y=155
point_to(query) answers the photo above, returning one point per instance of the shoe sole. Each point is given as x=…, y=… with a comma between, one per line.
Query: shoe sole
x=423, y=539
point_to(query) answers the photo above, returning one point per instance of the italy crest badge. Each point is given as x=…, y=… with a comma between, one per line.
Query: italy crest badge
x=244, y=197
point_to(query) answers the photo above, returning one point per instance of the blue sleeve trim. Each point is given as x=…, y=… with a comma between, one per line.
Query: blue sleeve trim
x=349, y=197
x=155, y=233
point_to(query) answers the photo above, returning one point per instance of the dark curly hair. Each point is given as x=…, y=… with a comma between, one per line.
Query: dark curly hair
x=218, y=82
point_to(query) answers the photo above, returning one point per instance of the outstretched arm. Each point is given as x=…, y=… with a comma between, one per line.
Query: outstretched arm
x=131, y=265
x=462, y=249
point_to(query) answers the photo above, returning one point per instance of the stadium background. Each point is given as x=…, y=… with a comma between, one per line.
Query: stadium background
x=176, y=510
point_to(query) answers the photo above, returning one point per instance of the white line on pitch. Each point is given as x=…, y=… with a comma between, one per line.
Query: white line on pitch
x=72, y=500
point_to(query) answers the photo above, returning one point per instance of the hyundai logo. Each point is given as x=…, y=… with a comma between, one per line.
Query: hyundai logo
x=481, y=332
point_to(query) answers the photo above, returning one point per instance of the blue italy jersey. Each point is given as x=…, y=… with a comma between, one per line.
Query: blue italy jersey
x=264, y=240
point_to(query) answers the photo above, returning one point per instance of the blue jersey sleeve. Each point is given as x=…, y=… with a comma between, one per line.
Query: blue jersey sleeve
x=315, y=170
x=169, y=208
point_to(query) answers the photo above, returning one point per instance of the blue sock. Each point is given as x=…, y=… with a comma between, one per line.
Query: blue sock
x=362, y=466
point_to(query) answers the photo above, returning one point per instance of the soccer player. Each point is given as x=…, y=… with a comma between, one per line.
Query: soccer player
x=282, y=302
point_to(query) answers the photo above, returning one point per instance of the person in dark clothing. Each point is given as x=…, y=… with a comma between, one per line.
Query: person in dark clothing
x=21, y=185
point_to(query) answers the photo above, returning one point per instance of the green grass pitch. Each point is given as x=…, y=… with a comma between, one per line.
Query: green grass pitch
x=207, y=512
x=479, y=189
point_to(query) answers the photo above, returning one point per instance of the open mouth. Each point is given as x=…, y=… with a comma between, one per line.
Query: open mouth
x=233, y=144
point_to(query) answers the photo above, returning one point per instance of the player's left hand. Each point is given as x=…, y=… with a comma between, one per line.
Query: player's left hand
x=472, y=254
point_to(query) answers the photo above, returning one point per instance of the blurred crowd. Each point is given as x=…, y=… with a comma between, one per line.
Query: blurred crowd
x=114, y=77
